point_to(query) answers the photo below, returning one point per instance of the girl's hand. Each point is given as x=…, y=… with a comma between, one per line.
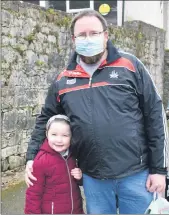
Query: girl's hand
x=76, y=173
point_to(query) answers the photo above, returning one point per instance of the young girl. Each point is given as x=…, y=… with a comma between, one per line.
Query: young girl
x=56, y=190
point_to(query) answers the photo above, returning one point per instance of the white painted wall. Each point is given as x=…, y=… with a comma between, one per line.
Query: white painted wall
x=166, y=21
x=150, y=12
x=119, y=12
x=155, y=13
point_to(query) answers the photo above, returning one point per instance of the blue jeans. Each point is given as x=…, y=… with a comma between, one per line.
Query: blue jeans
x=133, y=198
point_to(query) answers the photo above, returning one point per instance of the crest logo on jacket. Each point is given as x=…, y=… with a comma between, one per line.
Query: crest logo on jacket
x=71, y=81
x=114, y=74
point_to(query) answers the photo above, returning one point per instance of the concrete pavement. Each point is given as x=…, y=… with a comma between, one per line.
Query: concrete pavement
x=12, y=199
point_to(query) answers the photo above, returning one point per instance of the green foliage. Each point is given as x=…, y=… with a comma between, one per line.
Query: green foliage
x=57, y=42
x=12, y=12
x=37, y=28
x=140, y=36
x=9, y=35
x=51, y=15
x=39, y=63
x=63, y=21
x=30, y=37
x=57, y=18
x=19, y=49
x=51, y=11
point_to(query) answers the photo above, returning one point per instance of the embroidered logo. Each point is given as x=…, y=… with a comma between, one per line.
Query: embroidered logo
x=114, y=74
x=71, y=81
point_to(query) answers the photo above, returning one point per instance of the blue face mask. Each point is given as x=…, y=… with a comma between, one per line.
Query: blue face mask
x=90, y=47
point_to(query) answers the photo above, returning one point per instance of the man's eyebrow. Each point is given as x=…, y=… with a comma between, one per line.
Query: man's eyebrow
x=89, y=31
x=82, y=32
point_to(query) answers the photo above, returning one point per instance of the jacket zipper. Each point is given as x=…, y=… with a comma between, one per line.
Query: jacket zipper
x=90, y=81
x=141, y=156
x=52, y=207
x=70, y=185
x=141, y=159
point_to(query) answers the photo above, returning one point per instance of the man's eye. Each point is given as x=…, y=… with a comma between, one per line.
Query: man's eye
x=94, y=33
x=82, y=35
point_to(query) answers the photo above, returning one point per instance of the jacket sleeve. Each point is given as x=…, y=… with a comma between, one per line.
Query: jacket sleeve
x=50, y=108
x=155, y=121
x=34, y=193
x=79, y=182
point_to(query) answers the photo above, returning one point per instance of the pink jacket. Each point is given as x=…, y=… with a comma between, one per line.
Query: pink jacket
x=55, y=191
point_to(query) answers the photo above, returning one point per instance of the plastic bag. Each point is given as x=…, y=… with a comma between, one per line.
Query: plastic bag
x=159, y=205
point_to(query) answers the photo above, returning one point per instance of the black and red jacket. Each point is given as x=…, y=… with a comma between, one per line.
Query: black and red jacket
x=117, y=119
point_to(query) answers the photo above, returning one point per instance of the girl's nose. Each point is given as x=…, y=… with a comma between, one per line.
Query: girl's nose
x=59, y=139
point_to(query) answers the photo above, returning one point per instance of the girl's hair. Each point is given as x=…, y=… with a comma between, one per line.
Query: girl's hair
x=57, y=118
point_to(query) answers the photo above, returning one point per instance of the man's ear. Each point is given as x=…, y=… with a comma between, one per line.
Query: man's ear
x=46, y=134
x=106, y=33
x=73, y=38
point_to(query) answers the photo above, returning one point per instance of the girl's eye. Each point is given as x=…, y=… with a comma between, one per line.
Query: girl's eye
x=66, y=135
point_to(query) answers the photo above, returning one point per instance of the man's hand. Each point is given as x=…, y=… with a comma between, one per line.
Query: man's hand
x=28, y=173
x=156, y=183
x=76, y=173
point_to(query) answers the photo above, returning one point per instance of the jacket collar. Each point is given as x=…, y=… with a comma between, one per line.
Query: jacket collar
x=45, y=147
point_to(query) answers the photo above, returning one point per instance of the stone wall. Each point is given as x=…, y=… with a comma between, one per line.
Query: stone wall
x=166, y=78
x=36, y=45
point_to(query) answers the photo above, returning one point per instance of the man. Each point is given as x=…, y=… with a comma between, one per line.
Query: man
x=117, y=120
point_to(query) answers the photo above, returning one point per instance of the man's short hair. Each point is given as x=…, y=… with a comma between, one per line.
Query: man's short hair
x=87, y=13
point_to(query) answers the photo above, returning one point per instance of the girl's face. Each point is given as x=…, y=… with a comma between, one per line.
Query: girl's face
x=59, y=136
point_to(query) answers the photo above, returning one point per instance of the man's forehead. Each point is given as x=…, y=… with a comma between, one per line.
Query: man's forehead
x=83, y=24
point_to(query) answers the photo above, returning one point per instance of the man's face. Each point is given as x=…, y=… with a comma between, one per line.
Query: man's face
x=87, y=26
